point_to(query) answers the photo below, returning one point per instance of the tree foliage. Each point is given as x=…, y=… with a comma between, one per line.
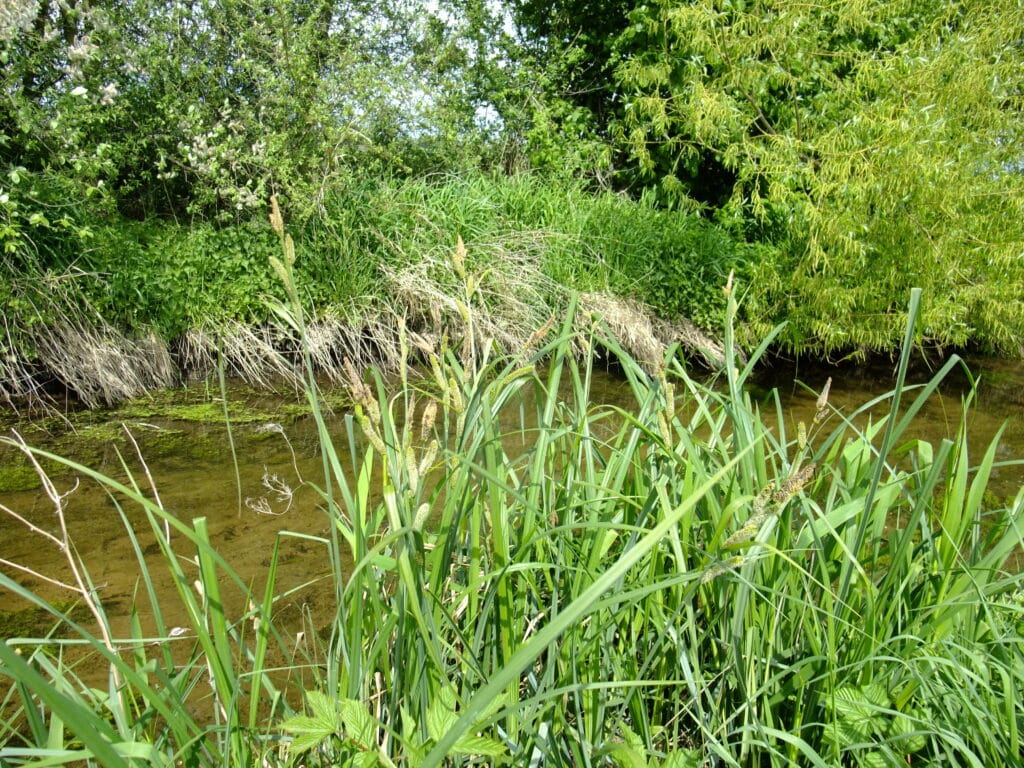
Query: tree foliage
x=576, y=38
x=203, y=108
x=875, y=142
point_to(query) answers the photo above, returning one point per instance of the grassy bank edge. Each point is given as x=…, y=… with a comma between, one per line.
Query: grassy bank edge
x=139, y=305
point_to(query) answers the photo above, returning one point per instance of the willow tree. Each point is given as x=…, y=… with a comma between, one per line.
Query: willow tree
x=875, y=142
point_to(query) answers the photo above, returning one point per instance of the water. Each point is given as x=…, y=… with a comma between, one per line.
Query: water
x=188, y=456
x=998, y=401
x=193, y=473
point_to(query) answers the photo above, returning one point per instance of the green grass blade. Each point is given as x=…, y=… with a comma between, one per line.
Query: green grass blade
x=574, y=611
x=94, y=732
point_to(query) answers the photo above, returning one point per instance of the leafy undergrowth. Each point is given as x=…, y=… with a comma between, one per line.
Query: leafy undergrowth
x=523, y=577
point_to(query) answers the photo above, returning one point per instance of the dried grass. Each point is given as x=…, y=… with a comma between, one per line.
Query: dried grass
x=495, y=294
x=370, y=340
x=99, y=363
x=18, y=382
x=505, y=305
x=503, y=302
x=197, y=352
x=268, y=357
x=258, y=355
x=250, y=353
x=71, y=343
x=629, y=321
x=509, y=297
x=645, y=336
x=694, y=340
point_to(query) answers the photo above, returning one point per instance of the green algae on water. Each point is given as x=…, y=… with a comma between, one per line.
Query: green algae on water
x=18, y=477
x=39, y=622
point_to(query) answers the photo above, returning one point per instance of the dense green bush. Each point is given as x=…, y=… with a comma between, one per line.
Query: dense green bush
x=160, y=276
x=169, y=278
x=675, y=262
x=585, y=240
x=874, y=136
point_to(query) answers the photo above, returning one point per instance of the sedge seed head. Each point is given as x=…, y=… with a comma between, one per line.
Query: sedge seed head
x=276, y=220
x=821, y=407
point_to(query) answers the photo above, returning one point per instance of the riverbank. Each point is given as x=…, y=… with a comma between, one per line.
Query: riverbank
x=146, y=304
x=102, y=366
x=143, y=305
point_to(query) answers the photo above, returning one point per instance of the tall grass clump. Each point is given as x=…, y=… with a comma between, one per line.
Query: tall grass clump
x=519, y=575
x=581, y=239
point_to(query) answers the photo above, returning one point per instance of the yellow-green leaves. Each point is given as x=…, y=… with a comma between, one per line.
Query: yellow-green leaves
x=442, y=717
x=875, y=146
x=337, y=725
x=310, y=731
x=345, y=729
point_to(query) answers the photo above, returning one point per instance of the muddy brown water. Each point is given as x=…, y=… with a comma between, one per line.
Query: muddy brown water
x=190, y=461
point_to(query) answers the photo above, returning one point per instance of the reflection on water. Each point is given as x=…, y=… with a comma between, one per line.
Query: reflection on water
x=193, y=472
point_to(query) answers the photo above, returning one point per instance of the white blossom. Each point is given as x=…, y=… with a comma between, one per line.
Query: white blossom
x=82, y=50
x=15, y=17
x=108, y=91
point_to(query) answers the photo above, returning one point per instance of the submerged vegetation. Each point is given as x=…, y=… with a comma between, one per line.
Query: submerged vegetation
x=520, y=576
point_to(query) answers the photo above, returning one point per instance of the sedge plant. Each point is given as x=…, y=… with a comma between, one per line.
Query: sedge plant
x=520, y=575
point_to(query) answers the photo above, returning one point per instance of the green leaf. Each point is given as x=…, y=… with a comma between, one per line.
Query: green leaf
x=631, y=738
x=414, y=753
x=851, y=703
x=440, y=719
x=96, y=735
x=528, y=651
x=412, y=743
x=365, y=760
x=311, y=731
x=479, y=745
x=359, y=723
x=323, y=706
x=626, y=756
x=683, y=758
x=907, y=731
x=876, y=694
x=856, y=714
